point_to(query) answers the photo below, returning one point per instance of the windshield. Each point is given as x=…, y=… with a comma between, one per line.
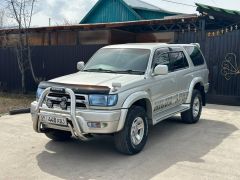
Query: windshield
x=131, y=61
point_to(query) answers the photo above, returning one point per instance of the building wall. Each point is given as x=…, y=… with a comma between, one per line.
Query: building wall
x=162, y=37
x=67, y=38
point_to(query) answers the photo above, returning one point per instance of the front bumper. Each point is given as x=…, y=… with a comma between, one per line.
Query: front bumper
x=79, y=119
x=110, y=119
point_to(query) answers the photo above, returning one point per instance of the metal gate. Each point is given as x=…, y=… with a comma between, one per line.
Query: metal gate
x=222, y=53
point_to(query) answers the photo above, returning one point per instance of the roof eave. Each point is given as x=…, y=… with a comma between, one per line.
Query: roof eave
x=99, y=26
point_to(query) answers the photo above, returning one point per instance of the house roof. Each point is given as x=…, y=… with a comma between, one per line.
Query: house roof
x=100, y=2
x=202, y=7
x=123, y=10
x=219, y=13
x=139, y=4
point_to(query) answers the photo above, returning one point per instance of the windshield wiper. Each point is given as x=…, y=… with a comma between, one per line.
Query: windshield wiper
x=130, y=71
x=100, y=70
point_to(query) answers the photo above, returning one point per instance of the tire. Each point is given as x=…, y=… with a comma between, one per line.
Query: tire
x=192, y=115
x=132, y=139
x=57, y=135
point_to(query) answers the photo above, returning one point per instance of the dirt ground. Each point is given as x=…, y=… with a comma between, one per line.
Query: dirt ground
x=14, y=101
x=207, y=150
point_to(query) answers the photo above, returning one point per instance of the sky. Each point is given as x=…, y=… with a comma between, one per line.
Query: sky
x=73, y=11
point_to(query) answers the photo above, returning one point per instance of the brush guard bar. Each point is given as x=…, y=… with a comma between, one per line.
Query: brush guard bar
x=75, y=128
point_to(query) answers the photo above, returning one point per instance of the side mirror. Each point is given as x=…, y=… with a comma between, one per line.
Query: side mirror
x=160, y=70
x=80, y=65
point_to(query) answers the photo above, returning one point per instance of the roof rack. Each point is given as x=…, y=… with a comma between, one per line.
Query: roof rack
x=196, y=44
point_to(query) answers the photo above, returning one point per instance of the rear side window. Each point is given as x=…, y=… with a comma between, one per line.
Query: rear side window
x=195, y=54
x=178, y=60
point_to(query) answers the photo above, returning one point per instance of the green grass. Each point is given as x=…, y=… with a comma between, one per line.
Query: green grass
x=10, y=101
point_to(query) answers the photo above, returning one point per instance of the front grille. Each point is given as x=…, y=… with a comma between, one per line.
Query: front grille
x=78, y=96
x=56, y=99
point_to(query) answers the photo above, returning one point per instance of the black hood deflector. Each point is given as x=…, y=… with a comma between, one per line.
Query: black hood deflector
x=79, y=89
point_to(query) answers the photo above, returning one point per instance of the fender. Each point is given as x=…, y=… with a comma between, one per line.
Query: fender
x=128, y=103
x=193, y=83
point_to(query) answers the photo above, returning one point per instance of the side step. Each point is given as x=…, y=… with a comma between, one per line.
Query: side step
x=170, y=112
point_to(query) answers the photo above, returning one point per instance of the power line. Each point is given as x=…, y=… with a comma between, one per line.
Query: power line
x=213, y=1
x=174, y=2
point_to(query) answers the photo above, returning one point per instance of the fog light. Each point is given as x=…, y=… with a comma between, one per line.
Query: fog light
x=103, y=125
x=96, y=125
x=63, y=105
x=49, y=104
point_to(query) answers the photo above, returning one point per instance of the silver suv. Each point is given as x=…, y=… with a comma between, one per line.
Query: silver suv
x=121, y=91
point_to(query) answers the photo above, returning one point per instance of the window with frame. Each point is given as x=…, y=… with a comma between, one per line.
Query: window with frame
x=178, y=60
x=195, y=54
x=161, y=57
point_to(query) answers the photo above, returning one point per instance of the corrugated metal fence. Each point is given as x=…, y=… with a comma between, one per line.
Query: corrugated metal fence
x=222, y=53
x=48, y=62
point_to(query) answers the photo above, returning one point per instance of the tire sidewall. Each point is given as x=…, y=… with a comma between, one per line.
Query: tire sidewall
x=197, y=94
x=132, y=115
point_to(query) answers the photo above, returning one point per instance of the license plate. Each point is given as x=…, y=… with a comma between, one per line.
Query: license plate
x=53, y=120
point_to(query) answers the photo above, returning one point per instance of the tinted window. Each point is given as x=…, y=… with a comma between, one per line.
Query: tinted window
x=178, y=60
x=195, y=55
x=161, y=57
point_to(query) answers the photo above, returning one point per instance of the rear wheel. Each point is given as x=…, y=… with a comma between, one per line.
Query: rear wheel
x=132, y=138
x=58, y=135
x=193, y=114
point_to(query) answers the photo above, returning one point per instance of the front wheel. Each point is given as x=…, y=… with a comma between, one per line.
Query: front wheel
x=193, y=114
x=132, y=138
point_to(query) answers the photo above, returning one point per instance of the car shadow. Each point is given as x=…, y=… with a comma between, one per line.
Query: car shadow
x=169, y=142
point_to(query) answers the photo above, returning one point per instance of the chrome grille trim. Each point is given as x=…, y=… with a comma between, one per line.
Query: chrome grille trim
x=78, y=100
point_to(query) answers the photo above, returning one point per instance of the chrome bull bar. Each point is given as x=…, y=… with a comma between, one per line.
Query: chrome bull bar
x=76, y=129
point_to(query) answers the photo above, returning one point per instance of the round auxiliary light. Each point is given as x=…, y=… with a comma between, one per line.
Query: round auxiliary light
x=49, y=103
x=63, y=103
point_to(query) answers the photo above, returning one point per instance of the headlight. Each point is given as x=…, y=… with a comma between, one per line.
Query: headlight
x=103, y=100
x=39, y=93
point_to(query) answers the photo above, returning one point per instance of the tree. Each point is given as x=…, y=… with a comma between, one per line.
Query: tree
x=67, y=22
x=2, y=17
x=21, y=11
x=3, y=36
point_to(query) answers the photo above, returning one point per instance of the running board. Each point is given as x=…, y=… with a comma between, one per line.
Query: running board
x=170, y=112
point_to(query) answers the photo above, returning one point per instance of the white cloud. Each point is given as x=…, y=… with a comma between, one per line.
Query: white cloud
x=74, y=10
x=61, y=10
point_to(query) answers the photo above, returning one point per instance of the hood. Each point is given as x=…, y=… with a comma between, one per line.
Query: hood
x=98, y=79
